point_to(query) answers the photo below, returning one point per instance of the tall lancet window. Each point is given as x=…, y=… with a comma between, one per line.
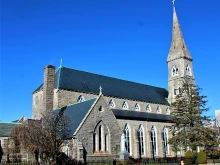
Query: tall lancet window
x=100, y=138
x=188, y=70
x=165, y=140
x=154, y=140
x=111, y=104
x=141, y=140
x=127, y=138
x=80, y=99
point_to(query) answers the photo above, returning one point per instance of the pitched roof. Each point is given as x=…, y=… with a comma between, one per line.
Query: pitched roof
x=75, y=80
x=76, y=113
x=142, y=116
x=5, y=128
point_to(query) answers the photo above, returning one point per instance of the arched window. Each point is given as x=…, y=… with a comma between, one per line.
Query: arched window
x=137, y=107
x=148, y=108
x=154, y=140
x=80, y=99
x=168, y=110
x=125, y=105
x=141, y=140
x=165, y=140
x=158, y=109
x=127, y=138
x=188, y=70
x=111, y=104
x=100, y=138
x=175, y=71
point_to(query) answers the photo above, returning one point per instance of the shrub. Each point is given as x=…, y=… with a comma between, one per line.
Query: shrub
x=201, y=158
x=118, y=162
x=188, y=158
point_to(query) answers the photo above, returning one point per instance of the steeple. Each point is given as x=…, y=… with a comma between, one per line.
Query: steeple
x=179, y=61
x=178, y=47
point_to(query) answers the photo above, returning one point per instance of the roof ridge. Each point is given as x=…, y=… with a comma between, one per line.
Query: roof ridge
x=115, y=78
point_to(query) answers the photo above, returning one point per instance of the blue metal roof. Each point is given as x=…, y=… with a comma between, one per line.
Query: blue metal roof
x=75, y=80
x=75, y=114
x=5, y=128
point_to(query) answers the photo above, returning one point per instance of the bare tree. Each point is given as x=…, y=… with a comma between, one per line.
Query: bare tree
x=45, y=136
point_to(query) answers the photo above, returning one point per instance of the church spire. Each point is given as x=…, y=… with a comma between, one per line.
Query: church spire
x=178, y=47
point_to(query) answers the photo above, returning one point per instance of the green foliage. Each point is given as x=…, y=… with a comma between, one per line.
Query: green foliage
x=189, y=154
x=188, y=113
x=121, y=162
x=188, y=157
x=201, y=158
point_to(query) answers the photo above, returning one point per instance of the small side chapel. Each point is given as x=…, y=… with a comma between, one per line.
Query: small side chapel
x=119, y=118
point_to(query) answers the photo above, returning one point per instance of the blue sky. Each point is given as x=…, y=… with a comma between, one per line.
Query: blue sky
x=127, y=39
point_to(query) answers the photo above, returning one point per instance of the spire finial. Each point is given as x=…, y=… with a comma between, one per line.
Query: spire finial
x=173, y=1
x=100, y=89
x=61, y=62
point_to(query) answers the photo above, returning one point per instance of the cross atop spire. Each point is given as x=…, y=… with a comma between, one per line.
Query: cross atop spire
x=173, y=1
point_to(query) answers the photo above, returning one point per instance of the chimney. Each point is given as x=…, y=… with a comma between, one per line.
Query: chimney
x=48, y=88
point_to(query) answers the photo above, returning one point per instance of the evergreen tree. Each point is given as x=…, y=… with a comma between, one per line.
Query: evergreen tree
x=189, y=115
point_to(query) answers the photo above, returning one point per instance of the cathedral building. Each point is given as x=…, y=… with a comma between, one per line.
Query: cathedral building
x=114, y=118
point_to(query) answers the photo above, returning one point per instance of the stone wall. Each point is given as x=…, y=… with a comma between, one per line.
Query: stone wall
x=37, y=105
x=106, y=116
x=147, y=125
x=65, y=97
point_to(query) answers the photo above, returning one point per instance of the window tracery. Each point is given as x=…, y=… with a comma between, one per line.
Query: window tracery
x=100, y=138
x=165, y=139
x=154, y=140
x=137, y=107
x=158, y=109
x=125, y=105
x=127, y=138
x=148, y=108
x=175, y=71
x=80, y=99
x=141, y=140
x=111, y=104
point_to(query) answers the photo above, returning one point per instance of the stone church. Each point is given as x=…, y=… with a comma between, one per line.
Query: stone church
x=114, y=118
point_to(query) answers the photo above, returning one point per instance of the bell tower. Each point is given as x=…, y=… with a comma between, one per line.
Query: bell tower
x=179, y=61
